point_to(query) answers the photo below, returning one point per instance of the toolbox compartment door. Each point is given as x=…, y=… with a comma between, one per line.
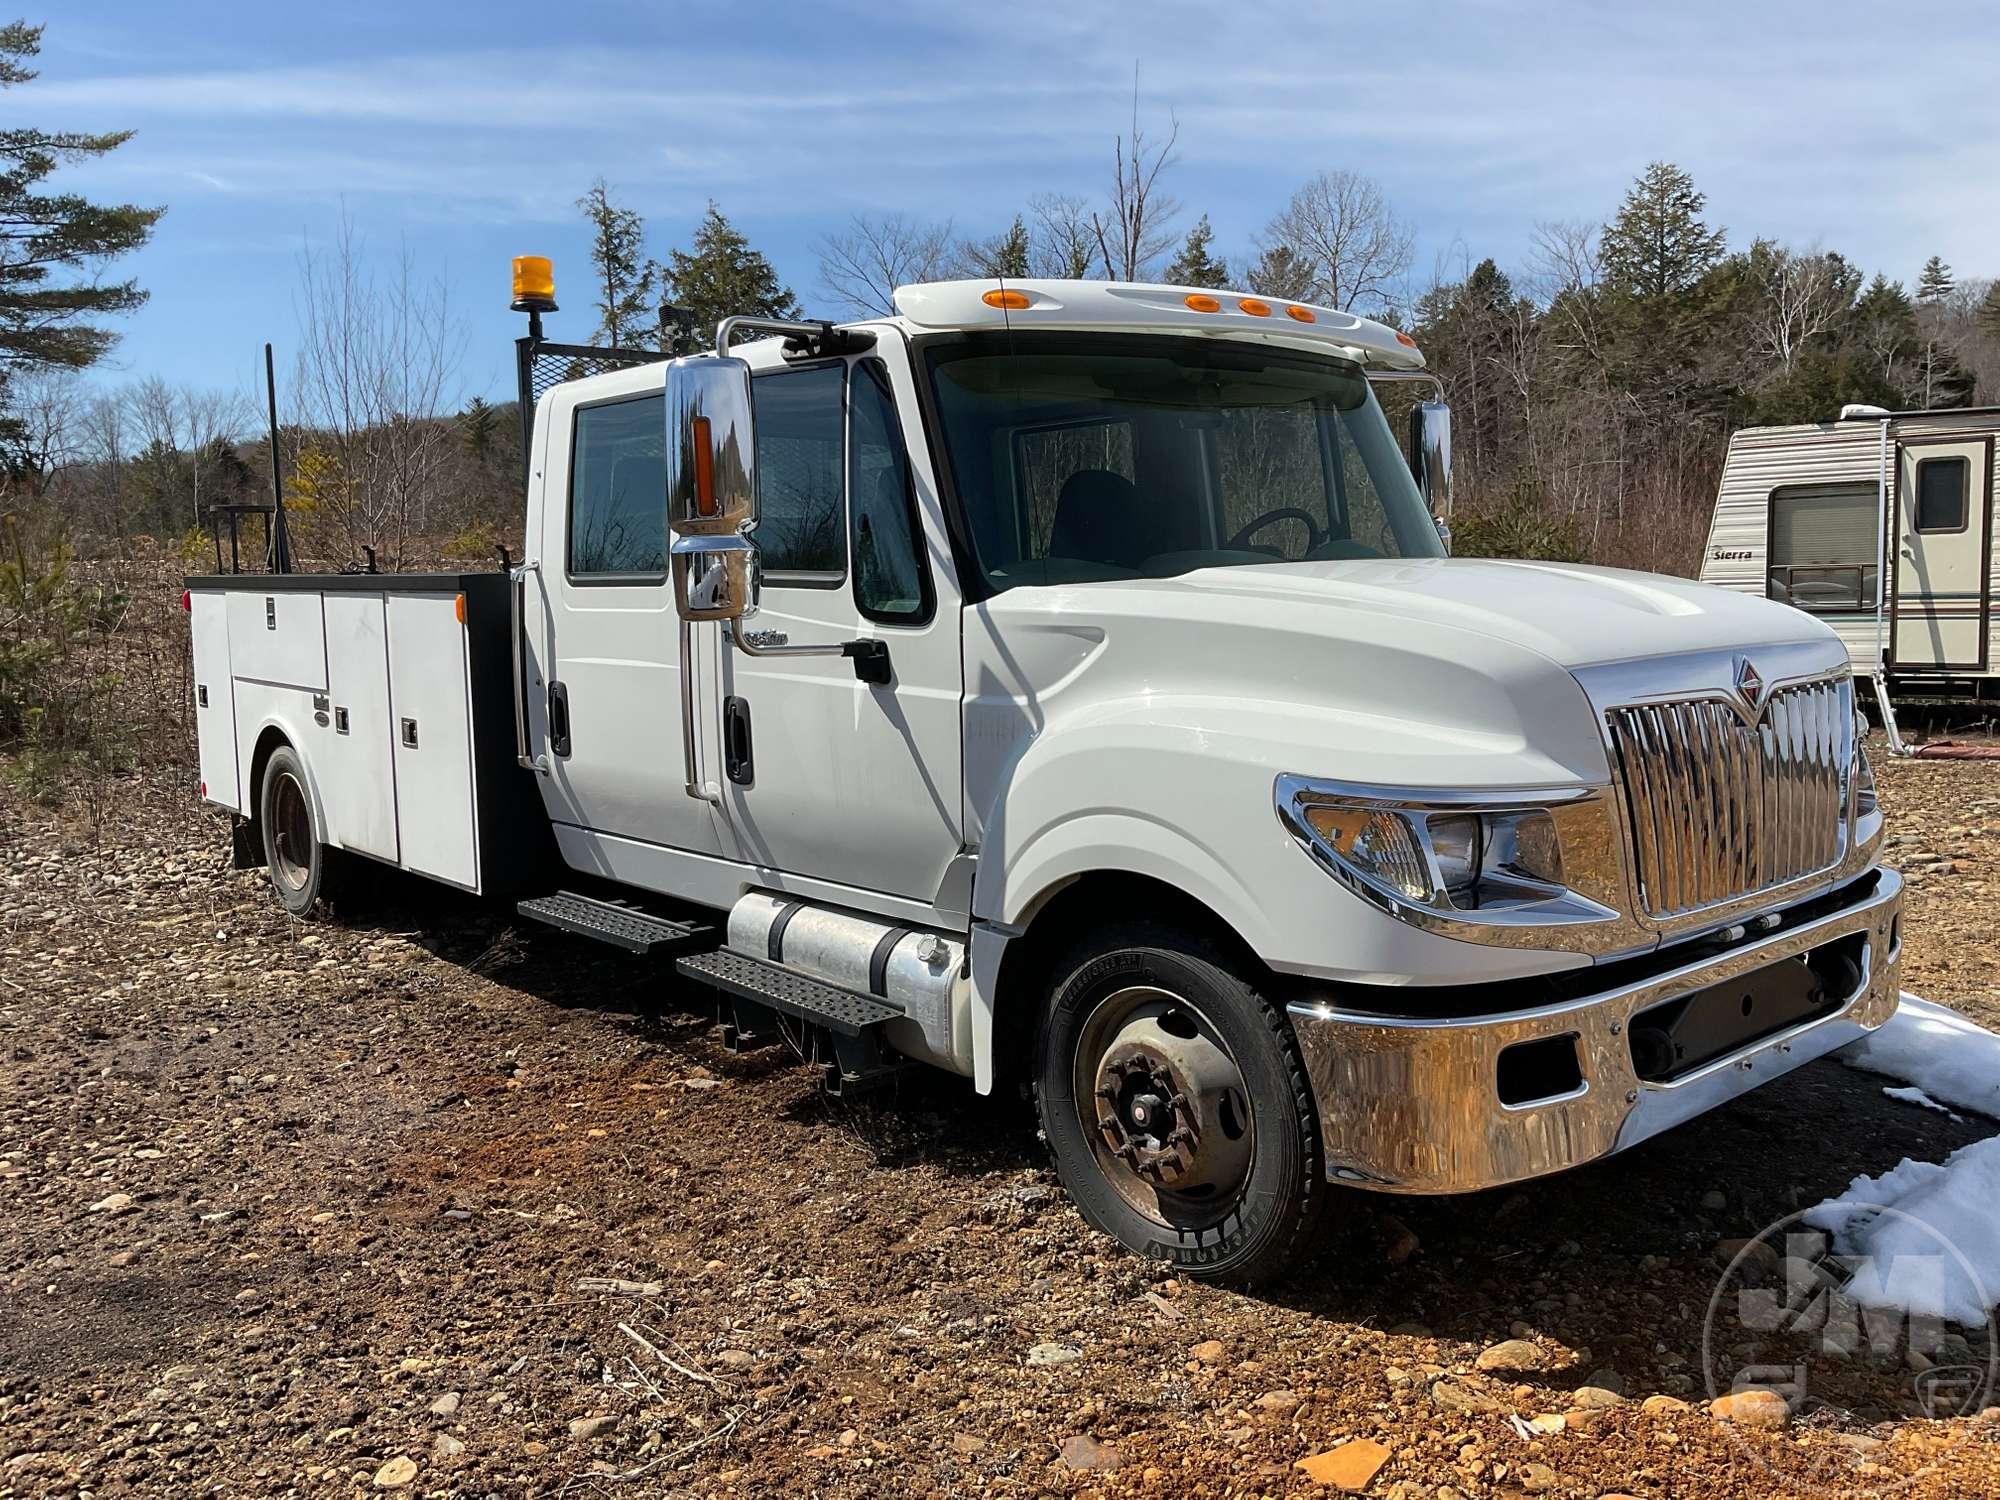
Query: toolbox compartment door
x=214, y=700
x=359, y=774
x=430, y=727
x=278, y=638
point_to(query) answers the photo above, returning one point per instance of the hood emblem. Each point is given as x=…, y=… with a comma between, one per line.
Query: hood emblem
x=1749, y=685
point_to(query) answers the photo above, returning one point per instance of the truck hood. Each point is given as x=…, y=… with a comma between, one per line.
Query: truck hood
x=1574, y=616
x=1426, y=672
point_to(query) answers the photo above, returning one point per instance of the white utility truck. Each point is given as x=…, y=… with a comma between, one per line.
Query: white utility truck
x=1064, y=684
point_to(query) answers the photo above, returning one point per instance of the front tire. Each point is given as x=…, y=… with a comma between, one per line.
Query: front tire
x=1178, y=1109
x=303, y=869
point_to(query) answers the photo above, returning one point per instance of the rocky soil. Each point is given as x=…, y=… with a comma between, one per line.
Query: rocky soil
x=417, y=1202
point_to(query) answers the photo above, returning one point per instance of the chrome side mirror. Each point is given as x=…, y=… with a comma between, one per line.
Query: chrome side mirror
x=711, y=488
x=1430, y=460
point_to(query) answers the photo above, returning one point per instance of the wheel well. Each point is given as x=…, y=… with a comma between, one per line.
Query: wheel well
x=1099, y=899
x=253, y=790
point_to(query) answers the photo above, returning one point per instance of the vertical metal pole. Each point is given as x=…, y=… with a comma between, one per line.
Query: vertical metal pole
x=524, y=375
x=280, y=541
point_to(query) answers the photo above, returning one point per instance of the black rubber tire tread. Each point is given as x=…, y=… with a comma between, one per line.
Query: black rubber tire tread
x=1291, y=1178
x=324, y=882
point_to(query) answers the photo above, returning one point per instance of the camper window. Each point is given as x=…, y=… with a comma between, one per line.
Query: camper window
x=1941, y=493
x=1822, y=547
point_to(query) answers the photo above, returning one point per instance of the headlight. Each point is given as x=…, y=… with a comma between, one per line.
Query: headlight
x=1470, y=861
x=1468, y=864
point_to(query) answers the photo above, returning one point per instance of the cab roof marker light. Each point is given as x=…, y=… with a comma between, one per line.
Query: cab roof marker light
x=1255, y=306
x=1300, y=314
x=1007, y=298
x=1200, y=302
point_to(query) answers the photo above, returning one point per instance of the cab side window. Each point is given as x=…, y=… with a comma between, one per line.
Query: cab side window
x=801, y=474
x=618, y=491
x=891, y=582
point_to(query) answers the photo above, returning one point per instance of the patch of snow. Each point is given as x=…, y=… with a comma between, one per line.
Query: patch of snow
x=1924, y=1236
x=1922, y=1100
x=1952, y=1060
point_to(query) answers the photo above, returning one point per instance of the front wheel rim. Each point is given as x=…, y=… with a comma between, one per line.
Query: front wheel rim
x=1163, y=1104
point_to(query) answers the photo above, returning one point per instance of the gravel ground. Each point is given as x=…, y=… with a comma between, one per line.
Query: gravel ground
x=415, y=1202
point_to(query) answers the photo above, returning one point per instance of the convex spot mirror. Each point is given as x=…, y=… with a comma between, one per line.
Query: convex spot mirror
x=711, y=488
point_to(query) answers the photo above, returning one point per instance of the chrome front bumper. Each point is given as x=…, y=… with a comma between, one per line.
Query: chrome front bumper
x=1412, y=1105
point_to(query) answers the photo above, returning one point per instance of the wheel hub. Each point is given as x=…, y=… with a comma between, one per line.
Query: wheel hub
x=1171, y=1107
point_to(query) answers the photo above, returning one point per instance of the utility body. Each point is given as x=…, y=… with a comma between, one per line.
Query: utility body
x=1065, y=683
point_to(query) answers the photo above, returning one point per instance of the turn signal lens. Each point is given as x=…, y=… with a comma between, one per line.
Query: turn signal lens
x=1007, y=298
x=1200, y=303
x=534, y=279
x=1254, y=307
x=1405, y=340
x=1376, y=843
x=458, y=608
x=1300, y=314
x=700, y=435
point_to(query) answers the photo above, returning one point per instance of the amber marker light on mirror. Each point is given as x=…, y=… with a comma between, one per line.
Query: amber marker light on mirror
x=1255, y=307
x=1300, y=314
x=1199, y=303
x=704, y=468
x=1006, y=298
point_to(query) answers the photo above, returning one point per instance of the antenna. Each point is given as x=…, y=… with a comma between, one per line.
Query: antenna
x=279, y=549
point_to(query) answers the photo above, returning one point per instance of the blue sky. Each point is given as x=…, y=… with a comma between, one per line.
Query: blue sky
x=465, y=132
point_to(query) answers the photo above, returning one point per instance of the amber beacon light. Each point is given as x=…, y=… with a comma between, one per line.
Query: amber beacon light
x=534, y=284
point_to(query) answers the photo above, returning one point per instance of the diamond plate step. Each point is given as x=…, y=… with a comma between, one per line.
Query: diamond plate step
x=762, y=983
x=621, y=926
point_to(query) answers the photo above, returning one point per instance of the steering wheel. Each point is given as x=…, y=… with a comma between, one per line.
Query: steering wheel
x=1314, y=535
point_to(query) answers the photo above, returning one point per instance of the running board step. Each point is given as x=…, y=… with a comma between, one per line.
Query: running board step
x=744, y=978
x=624, y=927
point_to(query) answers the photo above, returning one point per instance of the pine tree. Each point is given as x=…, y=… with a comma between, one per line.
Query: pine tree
x=1282, y=272
x=1194, y=266
x=626, y=280
x=1934, y=282
x=720, y=275
x=1989, y=312
x=479, y=428
x=1658, y=247
x=1004, y=255
x=43, y=320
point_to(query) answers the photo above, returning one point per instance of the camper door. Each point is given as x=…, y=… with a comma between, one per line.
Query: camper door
x=1944, y=529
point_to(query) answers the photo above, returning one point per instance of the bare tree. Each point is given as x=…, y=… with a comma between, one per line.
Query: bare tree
x=1133, y=234
x=1064, y=244
x=1563, y=275
x=47, y=404
x=863, y=264
x=1801, y=297
x=373, y=394
x=1342, y=224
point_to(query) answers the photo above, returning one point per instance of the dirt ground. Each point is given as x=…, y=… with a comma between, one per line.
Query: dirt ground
x=315, y=1208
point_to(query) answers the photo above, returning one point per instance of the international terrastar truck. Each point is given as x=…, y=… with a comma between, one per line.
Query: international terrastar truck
x=1066, y=684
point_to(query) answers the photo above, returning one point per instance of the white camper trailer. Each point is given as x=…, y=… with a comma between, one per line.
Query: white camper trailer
x=1823, y=516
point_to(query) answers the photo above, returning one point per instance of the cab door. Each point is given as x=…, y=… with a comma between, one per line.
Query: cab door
x=603, y=685
x=1944, y=521
x=826, y=775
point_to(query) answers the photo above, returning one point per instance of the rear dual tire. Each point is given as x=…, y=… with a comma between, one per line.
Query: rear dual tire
x=1177, y=1106
x=303, y=869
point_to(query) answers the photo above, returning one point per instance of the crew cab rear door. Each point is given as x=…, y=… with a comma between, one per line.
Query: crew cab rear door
x=825, y=775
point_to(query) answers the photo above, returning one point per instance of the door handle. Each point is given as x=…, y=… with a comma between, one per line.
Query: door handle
x=559, y=718
x=736, y=754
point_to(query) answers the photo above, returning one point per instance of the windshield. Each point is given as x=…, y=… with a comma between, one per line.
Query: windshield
x=1085, y=457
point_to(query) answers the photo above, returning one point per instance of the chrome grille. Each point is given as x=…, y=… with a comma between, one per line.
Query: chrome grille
x=1720, y=808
